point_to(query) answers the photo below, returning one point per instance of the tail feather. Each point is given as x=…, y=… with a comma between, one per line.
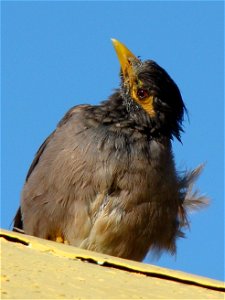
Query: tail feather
x=18, y=222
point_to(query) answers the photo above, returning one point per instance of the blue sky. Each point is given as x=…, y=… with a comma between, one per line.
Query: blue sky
x=59, y=54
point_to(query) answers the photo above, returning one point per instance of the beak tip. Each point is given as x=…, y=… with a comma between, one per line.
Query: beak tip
x=114, y=41
x=124, y=55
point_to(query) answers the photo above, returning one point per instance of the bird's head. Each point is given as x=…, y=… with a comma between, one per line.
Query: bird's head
x=146, y=86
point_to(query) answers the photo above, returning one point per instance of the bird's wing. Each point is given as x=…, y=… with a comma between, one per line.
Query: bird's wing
x=63, y=121
x=17, y=222
x=38, y=154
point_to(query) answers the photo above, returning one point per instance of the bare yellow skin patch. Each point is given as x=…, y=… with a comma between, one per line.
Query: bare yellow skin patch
x=146, y=103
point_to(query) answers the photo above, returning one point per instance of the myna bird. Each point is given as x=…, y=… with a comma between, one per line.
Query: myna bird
x=105, y=179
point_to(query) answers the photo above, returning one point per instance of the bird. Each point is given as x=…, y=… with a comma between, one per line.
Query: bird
x=105, y=179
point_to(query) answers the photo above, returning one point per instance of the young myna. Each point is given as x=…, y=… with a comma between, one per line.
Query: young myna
x=105, y=179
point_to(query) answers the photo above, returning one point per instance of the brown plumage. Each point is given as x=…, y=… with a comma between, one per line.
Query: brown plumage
x=105, y=179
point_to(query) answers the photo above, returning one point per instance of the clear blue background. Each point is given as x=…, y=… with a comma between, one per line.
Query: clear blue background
x=59, y=54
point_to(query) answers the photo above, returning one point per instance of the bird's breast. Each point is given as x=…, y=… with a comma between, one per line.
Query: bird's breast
x=131, y=165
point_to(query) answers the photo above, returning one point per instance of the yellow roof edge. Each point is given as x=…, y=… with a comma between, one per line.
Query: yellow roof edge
x=111, y=261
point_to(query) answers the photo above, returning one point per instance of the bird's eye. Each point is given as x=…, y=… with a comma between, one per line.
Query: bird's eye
x=142, y=94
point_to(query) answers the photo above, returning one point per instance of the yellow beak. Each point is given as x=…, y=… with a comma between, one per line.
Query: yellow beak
x=127, y=60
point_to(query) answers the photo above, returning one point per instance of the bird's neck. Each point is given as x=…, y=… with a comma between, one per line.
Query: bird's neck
x=122, y=115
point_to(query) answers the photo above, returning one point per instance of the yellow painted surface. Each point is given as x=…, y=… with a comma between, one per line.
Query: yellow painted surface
x=33, y=268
